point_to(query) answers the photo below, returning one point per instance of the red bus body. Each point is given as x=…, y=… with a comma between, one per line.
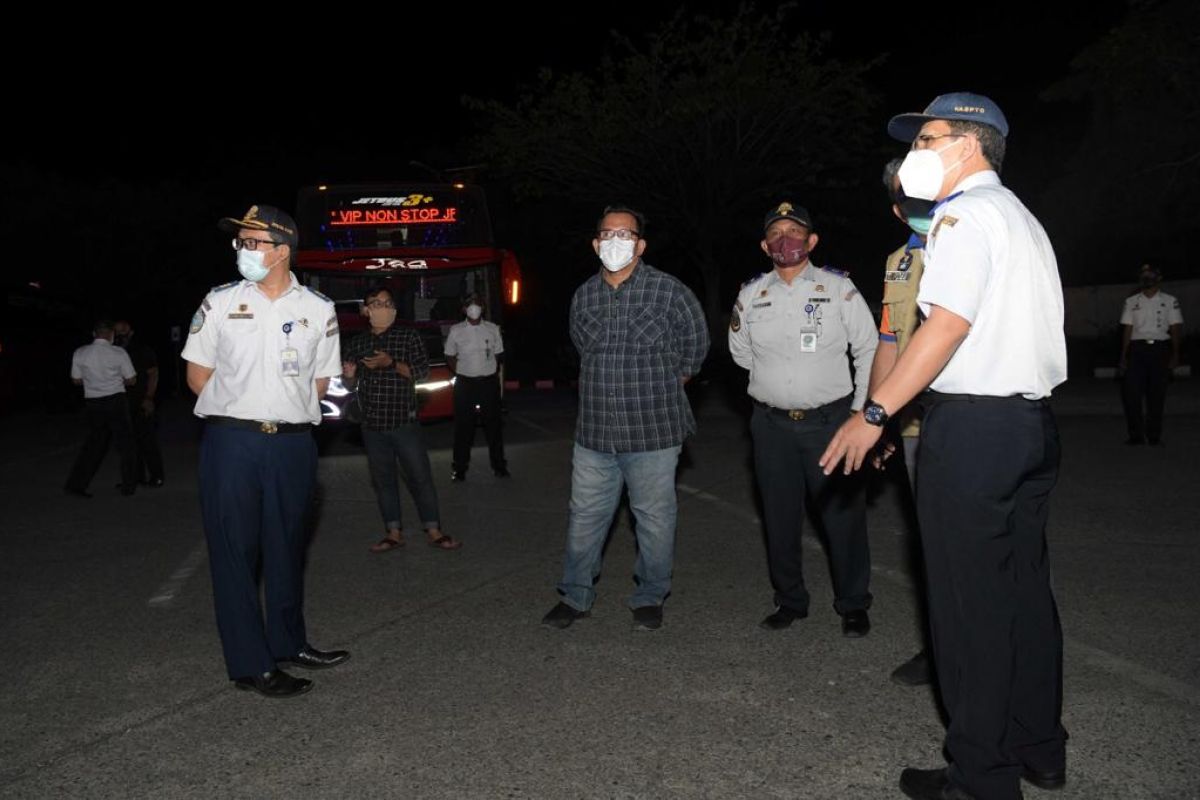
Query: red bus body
x=430, y=244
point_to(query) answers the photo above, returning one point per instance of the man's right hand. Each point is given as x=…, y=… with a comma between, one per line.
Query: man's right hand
x=883, y=451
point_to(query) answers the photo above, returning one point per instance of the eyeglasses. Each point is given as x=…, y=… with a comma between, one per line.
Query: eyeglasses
x=925, y=140
x=623, y=234
x=253, y=244
x=381, y=304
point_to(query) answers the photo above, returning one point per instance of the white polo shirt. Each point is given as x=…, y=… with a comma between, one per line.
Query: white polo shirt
x=1151, y=318
x=102, y=367
x=988, y=260
x=266, y=355
x=475, y=347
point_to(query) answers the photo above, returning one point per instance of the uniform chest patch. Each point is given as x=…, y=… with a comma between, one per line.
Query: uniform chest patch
x=241, y=316
x=761, y=305
x=896, y=276
x=818, y=299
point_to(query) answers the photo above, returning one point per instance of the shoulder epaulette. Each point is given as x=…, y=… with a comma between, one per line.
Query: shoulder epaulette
x=841, y=273
x=223, y=287
x=318, y=294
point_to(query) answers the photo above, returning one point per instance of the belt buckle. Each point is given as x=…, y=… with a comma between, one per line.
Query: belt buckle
x=269, y=427
x=796, y=414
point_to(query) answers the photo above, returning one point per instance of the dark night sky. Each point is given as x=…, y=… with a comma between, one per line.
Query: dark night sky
x=237, y=110
x=359, y=99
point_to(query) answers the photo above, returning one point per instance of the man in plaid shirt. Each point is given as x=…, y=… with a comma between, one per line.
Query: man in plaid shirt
x=641, y=335
x=384, y=365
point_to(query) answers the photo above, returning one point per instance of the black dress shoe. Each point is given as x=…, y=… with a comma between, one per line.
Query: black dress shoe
x=78, y=492
x=931, y=784
x=276, y=684
x=312, y=658
x=502, y=472
x=917, y=671
x=647, y=618
x=562, y=615
x=458, y=475
x=153, y=483
x=1048, y=779
x=856, y=623
x=782, y=618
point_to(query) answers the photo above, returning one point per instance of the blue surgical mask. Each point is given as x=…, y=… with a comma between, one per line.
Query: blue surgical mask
x=250, y=264
x=920, y=225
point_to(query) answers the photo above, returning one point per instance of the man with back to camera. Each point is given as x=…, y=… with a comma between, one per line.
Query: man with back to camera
x=259, y=355
x=991, y=349
x=641, y=336
x=104, y=372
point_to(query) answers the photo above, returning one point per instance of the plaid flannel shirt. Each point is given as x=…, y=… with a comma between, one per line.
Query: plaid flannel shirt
x=636, y=344
x=388, y=399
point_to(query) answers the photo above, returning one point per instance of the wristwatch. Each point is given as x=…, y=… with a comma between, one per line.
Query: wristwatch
x=874, y=414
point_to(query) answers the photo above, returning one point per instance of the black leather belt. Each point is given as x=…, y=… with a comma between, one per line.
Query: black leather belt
x=260, y=426
x=796, y=414
x=932, y=398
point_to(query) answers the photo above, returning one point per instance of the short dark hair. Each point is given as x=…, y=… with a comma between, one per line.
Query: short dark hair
x=377, y=290
x=620, y=209
x=891, y=172
x=103, y=325
x=990, y=139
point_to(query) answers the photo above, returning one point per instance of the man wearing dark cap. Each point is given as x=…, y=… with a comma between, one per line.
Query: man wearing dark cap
x=791, y=327
x=260, y=355
x=990, y=350
x=1151, y=331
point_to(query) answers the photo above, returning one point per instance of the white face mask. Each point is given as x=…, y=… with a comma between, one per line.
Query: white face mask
x=922, y=173
x=250, y=264
x=474, y=311
x=616, y=254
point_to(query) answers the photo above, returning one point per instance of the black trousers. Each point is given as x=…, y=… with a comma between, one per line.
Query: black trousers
x=145, y=436
x=484, y=392
x=986, y=469
x=108, y=419
x=1146, y=379
x=786, y=452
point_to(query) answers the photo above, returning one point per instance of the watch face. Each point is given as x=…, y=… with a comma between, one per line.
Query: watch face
x=874, y=414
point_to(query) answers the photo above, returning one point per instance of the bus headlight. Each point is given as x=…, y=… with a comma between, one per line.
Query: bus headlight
x=336, y=387
x=434, y=386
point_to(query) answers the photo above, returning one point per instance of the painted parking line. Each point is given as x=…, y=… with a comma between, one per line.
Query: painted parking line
x=172, y=586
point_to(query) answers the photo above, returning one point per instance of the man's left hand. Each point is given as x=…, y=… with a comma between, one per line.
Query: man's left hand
x=853, y=443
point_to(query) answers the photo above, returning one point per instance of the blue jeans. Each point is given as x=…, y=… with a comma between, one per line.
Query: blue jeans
x=403, y=444
x=596, y=482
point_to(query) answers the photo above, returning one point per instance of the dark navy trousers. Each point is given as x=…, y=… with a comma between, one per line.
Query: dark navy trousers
x=255, y=493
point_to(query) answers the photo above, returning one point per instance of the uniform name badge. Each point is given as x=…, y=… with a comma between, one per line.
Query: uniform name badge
x=808, y=340
x=289, y=359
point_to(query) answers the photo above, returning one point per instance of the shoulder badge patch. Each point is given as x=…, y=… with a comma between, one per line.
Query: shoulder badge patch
x=197, y=321
x=735, y=319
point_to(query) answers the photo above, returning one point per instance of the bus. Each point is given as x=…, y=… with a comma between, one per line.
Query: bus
x=431, y=244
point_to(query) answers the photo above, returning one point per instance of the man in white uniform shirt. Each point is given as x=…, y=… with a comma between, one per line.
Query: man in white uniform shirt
x=1151, y=333
x=103, y=371
x=474, y=352
x=260, y=355
x=991, y=349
